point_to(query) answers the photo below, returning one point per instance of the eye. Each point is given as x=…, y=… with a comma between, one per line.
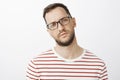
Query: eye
x=64, y=21
x=52, y=25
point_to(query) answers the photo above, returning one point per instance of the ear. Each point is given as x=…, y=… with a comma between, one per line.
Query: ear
x=74, y=22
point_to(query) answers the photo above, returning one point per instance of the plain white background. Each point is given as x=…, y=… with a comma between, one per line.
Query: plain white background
x=23, y=33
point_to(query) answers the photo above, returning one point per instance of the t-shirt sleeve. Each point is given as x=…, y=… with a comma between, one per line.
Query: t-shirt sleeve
x=103, y=74
x=32, y=72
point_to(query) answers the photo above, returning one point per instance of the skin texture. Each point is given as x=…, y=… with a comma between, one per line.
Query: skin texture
x=66, y=44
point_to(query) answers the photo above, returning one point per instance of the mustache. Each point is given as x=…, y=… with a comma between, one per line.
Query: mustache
x=62, y=32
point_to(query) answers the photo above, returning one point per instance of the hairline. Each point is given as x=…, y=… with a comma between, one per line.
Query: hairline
x=54, y=6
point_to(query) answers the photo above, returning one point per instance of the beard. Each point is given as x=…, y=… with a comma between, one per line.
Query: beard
x=68, y=42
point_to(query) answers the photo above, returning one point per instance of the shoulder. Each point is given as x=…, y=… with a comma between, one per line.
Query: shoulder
x=43, y=54
x=46, y=55
x=90, y=56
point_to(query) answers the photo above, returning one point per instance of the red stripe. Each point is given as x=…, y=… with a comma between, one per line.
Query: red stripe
x=31, y=66
x=49, y=61
x=47, y=54
x=105, y=79
x=104, y=76
x=70, y=68
x=90, y=58
x=104, y=72
x=69, y=76
x=32, y=62
x=70, y=64
x=88, y=52
x=70, y=72
x=31, y=78
x=32, y=70
x=89, y=61
x=47, y=57
x=48, y=50
x=32, y=74
x=90, y=55
x=104, y=69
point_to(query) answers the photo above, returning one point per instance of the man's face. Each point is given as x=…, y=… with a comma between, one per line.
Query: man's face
x=63, y=35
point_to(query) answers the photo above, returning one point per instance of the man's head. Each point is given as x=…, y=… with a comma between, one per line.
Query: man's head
x=60, y=24
x=53, y=6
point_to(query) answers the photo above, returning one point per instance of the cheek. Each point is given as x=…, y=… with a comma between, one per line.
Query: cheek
x=73, y=23
x=54, y=34
x=71, y=27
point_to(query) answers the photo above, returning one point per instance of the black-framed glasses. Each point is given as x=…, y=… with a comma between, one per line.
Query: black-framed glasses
x=63, y=21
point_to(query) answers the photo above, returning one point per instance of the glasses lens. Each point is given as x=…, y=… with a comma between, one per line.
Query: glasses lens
x=52, y=25
x=65, y=20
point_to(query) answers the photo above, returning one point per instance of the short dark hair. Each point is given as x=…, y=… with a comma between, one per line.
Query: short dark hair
x=53, y=6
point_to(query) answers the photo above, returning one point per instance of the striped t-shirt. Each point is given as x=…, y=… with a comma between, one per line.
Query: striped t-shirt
x=51, y=66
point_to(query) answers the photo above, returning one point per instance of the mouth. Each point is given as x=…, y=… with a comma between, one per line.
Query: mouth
x=63, y=34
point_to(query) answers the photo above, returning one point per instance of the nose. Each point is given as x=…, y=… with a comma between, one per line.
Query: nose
x=60, y=27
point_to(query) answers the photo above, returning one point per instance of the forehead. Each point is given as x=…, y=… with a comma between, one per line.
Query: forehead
x=55, y=14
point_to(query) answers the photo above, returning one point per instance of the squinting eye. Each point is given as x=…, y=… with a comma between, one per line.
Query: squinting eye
x=64, y=21
x=53, y=24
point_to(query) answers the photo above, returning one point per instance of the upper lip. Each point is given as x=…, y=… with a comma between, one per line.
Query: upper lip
x=62, y=33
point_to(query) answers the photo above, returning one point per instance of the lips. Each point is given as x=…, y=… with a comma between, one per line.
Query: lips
x=63, y=34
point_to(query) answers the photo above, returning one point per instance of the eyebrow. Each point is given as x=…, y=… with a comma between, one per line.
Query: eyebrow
x=59, y=19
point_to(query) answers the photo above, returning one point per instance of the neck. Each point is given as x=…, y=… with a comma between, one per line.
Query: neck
x=69, y=52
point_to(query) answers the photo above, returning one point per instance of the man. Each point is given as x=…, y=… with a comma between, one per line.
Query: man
x=67, y=60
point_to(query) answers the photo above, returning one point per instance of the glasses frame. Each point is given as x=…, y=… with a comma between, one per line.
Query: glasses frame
x=59, y=21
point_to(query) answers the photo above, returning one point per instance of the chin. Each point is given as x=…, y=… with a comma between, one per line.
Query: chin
x=65, y=41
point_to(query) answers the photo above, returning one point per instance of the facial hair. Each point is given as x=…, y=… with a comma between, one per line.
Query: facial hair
x=67, y=43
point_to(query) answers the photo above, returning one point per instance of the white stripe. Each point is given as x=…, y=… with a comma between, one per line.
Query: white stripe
x=68, y=64
x=60, y=66
x=68, y=70
x=70, y=78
